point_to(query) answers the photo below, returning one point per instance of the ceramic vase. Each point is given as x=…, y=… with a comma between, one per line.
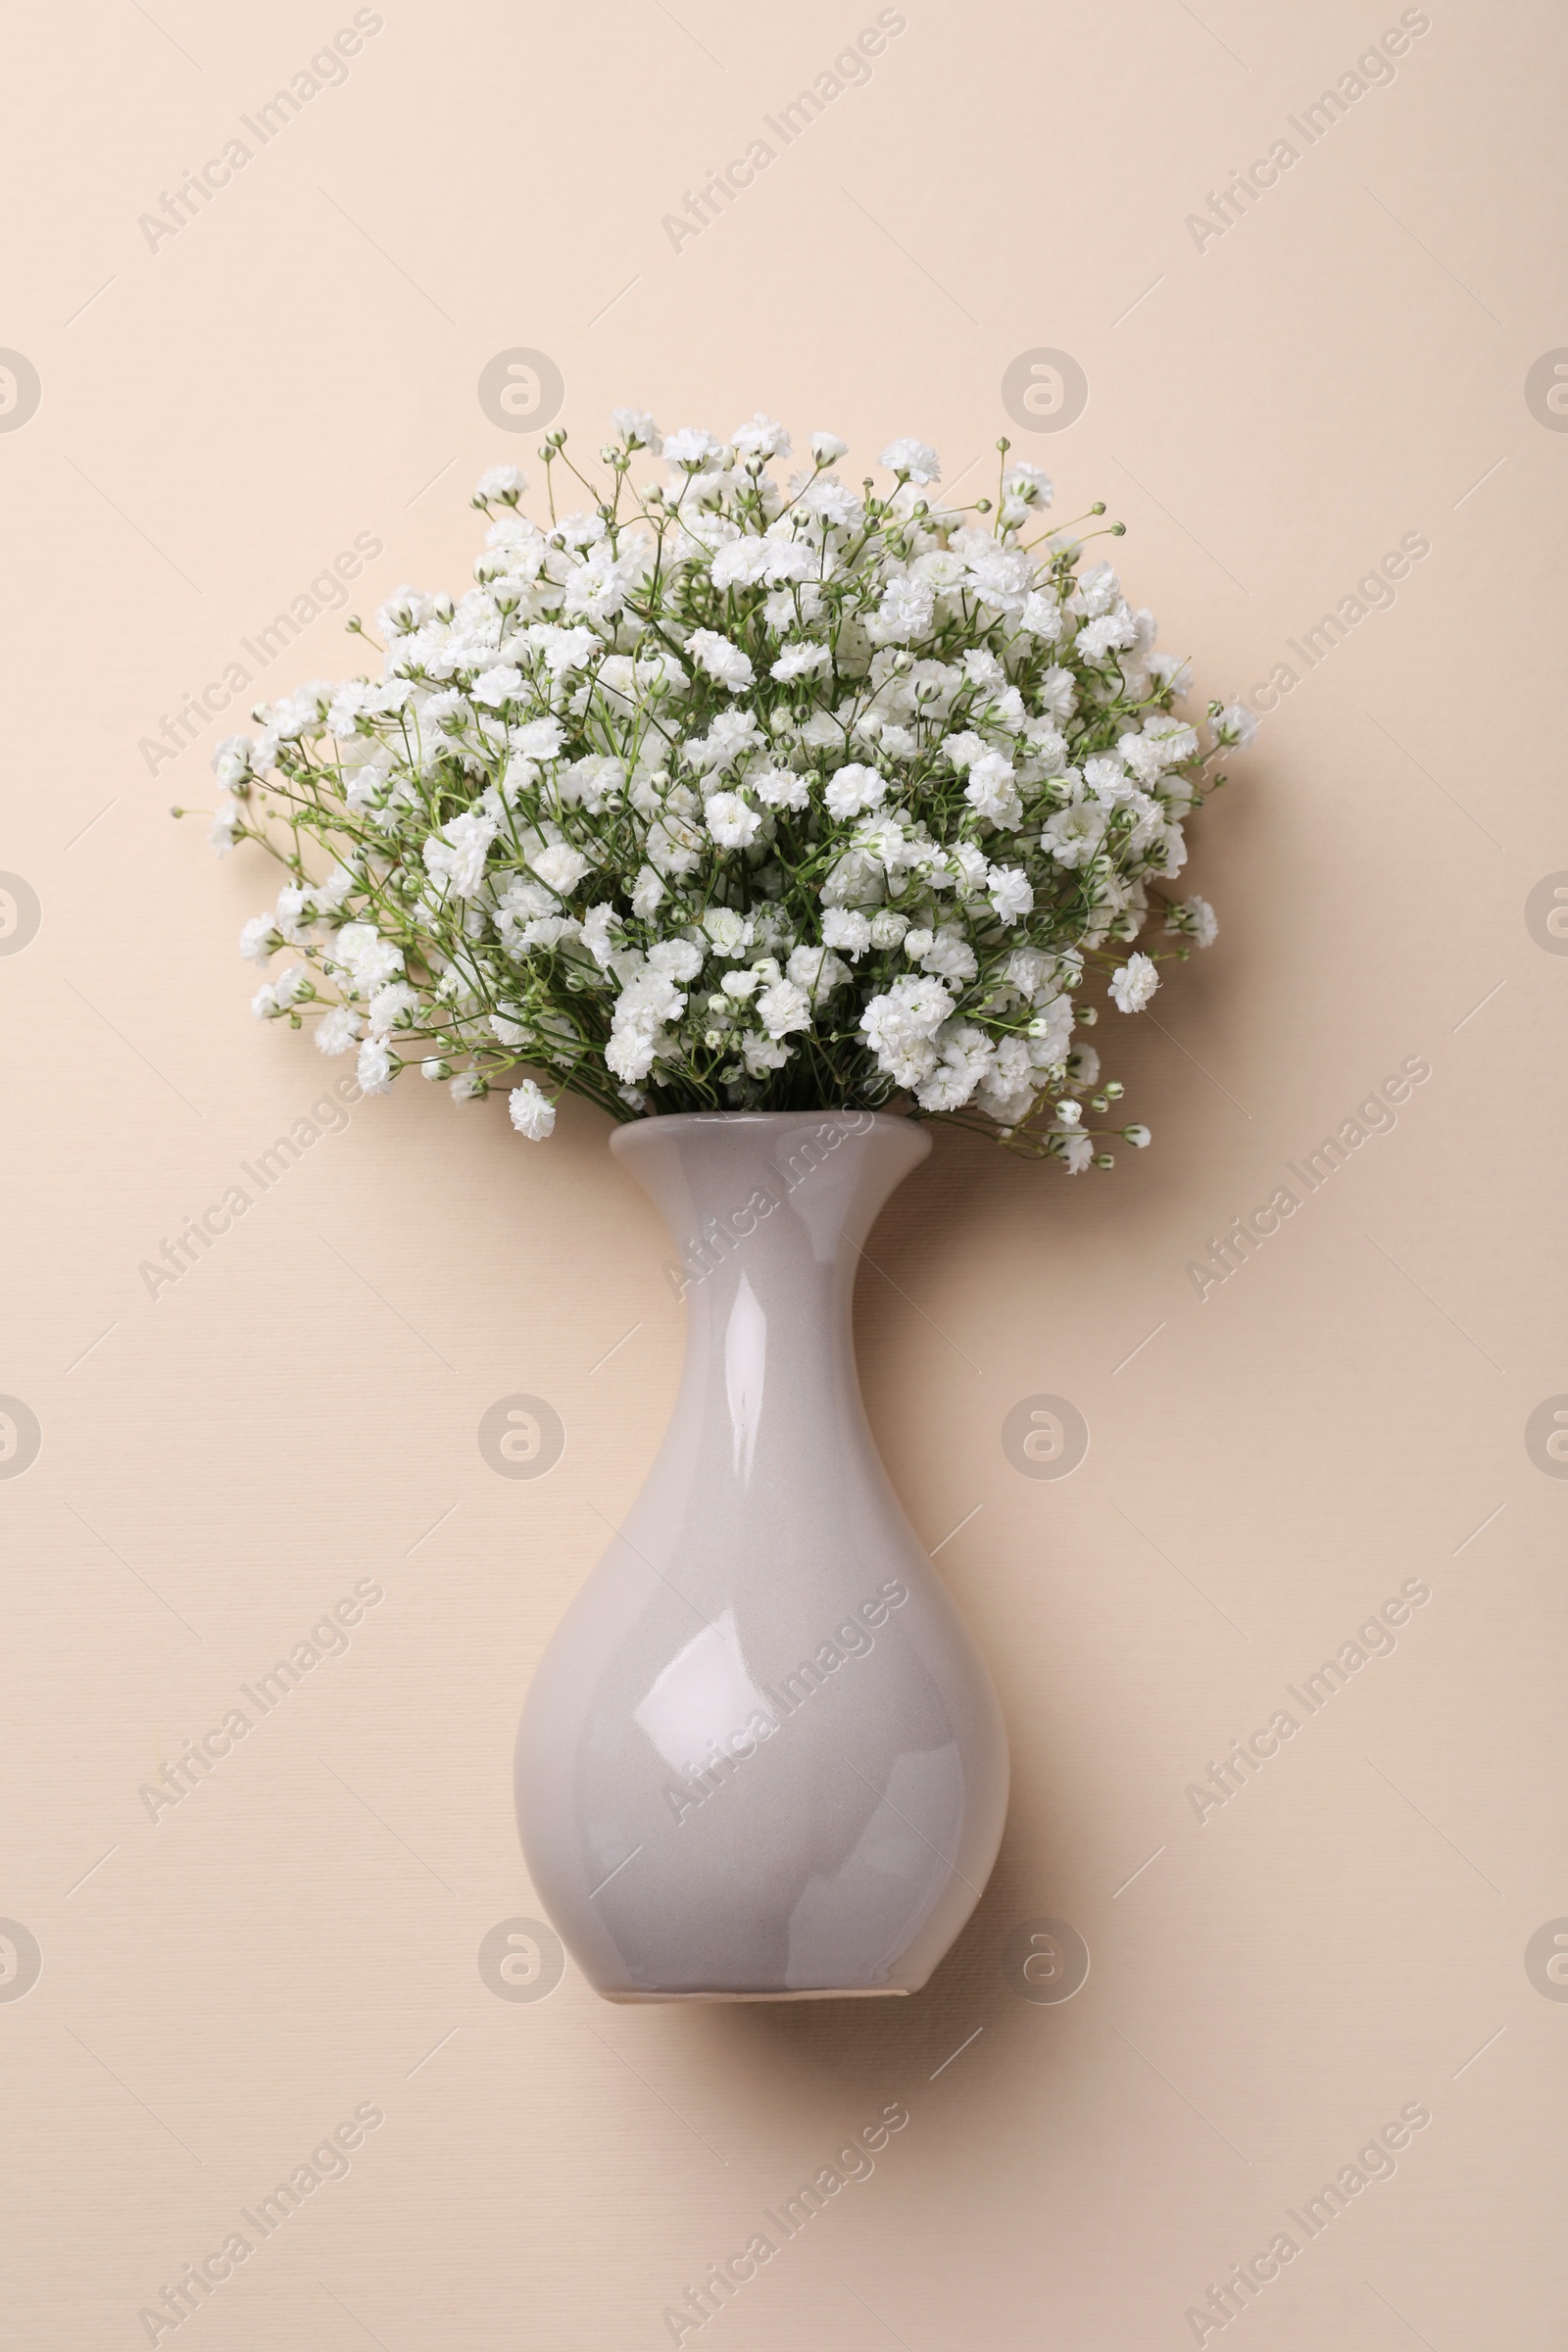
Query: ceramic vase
x=761, y=1758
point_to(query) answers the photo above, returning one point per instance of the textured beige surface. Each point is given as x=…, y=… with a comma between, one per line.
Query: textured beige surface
x=221, y=1465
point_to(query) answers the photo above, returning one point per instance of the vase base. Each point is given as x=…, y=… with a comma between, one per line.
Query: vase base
x=826, y=1992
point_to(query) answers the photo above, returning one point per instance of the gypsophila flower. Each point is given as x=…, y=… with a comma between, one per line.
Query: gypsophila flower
x=533, y=1114
x=733, y=825
x=1135, y=983
x=718, y=795
x=1235, y=728
x=796, y=660
x=762, y=438
x=1011, y=893
x=916, y=459
x=497, y=686
x=845, y=927
x=1196, y=919
x=259, y=939
x=1029, y=483
x=691, y=446
x=722, y=660
x=373, y=1069
x=637, y=429
x=506, y=483
x=854, y=790
x=337, y=1029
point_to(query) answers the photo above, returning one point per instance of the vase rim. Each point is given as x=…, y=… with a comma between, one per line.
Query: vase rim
x=664, y=1120
x=761, y=1118
x=632, y=1138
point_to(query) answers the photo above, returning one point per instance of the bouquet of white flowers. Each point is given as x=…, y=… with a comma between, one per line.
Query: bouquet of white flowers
x=718, y=795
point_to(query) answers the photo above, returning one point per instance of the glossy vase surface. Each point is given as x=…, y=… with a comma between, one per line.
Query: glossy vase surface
x=762, y=1757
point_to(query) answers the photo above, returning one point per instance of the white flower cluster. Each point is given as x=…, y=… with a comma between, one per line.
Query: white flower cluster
x=731, y=794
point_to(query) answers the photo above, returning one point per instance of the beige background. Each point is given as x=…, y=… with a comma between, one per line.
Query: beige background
x=219, y=1464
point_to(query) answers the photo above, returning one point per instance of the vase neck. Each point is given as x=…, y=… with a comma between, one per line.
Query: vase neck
x=767, y=1214
x=768, y=1202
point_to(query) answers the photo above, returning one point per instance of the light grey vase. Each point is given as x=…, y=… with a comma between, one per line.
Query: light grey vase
x=761, y=1758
